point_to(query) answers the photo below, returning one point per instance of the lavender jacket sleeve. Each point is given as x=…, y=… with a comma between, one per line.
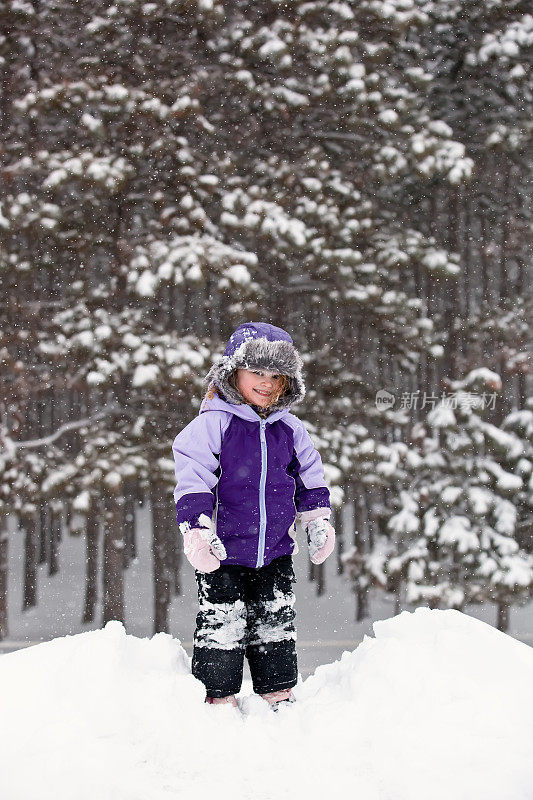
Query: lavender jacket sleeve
x=196, y=453
x=311, y=490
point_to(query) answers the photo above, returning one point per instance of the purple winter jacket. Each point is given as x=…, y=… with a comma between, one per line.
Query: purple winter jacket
x=250, y=475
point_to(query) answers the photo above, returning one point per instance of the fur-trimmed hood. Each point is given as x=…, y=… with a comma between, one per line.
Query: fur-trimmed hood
x=258, y=345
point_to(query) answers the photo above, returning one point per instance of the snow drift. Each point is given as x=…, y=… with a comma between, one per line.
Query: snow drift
x=437, y=705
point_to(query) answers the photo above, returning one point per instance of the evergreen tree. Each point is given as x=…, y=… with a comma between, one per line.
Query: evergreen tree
x=172, y=168
x=453, y=534
x=520, y=424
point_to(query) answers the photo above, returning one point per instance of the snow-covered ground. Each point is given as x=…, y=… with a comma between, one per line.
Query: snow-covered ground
x=438, y=705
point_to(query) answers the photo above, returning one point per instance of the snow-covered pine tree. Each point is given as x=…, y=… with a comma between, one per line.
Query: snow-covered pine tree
x=22, y=471
x=520, y=424
x=176, y=166
x=479, y=55
x=139, y=186
x=83, y=202
x=331, y=113
x=479, y=52
x=453, y=534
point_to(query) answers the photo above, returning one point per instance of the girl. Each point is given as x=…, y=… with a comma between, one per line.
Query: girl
x=244, y=468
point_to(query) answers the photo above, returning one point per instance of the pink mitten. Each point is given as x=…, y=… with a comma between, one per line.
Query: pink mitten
x=320, y=539
x=203, y=548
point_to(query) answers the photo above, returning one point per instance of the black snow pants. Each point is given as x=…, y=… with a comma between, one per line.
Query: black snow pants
x=246, y=612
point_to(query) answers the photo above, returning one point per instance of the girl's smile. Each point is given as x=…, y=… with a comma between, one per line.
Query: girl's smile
x=259, y=387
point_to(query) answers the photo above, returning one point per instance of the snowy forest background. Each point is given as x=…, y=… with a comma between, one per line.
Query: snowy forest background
x=355, y=172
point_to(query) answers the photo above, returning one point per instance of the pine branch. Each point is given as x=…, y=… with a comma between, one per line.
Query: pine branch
x=68, y=426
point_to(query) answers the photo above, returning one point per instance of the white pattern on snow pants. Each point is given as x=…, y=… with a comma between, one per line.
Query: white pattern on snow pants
x=246, y=612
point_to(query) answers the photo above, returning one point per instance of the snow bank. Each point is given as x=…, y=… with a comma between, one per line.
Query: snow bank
x=437, y=705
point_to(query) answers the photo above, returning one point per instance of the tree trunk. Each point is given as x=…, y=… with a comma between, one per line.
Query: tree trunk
x=130, y=550
x=503, y=617
x=29, y=599
x=91, y=566
x=43, y=535
x=522, y=390
x=175, y=545
x=362, y=605
x=360, y=540
x=113, y=578
x=339, y=525
x=504, y=232
x=160, y=555
x=397, y=601
x=4, y=544
x=54, y=538
x=454, y=295
x=320, y=578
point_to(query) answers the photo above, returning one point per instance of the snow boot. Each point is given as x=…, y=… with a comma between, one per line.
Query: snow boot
x=217, y=701
x=279, y=698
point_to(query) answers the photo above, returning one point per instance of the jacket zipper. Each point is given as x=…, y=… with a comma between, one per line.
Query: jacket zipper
x=262, y=502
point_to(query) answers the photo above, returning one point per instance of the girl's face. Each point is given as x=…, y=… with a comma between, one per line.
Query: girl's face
x=259, y=387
